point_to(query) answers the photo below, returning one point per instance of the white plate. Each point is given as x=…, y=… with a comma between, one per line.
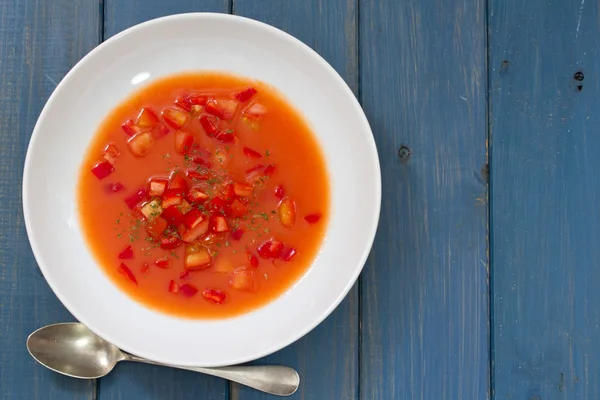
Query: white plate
x=105, y=77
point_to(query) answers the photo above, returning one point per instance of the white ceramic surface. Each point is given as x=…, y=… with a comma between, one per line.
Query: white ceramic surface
x=106, y=76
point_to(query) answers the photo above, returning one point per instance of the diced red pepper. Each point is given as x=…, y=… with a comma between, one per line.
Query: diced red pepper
x=237, y=234
x=245, y=95
x=269, y=170
x=160, y=131
x=157, y=227
x=157, y=186
x=174, y=117
x=102, y=169
x=196, y=175
x=184, y=275
x=172, y=215
x=227, y=193
x=218, y=224
x=147, y=118
x=236, y=209
x=188, y=290
x=141, y=143
x=215, y=296
x=184, y=207
x=124, y=269
x=145, y=268
x=210, y=125
x=242, y=190
x=172, y=197
x=288, y=254
x=287, y=212
x=177, y=181
x=197, y=99
x=163, y=262
x=126, y=253
x=130, y=128
x=111, y=153
x=270, y=249
x=242, y=279
x=135, y=198
x=201, y=161
x=114, y=188
x=255, y=168
x=197, y=257
x=226, y=136
x=183, y=103
x=248, y=152
x=183, y=142
x=279, y=192
x=192, y=218
x=190, y=235
x=217, y=205
x=170, y=242
x=196, y=195
x=173, y=287
x=252, y=259
x=312, y=218
x=212, y=108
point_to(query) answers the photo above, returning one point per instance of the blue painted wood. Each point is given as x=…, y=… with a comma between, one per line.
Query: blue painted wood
x=326, y=358
x=39, y=42
x=145, y=382
x=545, y=220
x=424, y=292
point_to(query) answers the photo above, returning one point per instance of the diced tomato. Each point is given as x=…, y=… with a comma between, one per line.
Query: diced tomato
x=127, y=253
x=188, y=290
x=201, y=161
x=212, y=238
x=226, y=136
x=288, y=254
x=248, y=152
x=184, y=275
x=279, y=192
x=223, y=265
x=156, y=227
x=170, y=242
x=147, y=118
x=197, y=99
x=221, y=156
x=102, y=169
x=269, y=170
x=124, y=269
x=228, y=107
x=174, y=117
x=227, y=193
x=242, y=190
x=196, y=195
x=193, y=218
x=252, y=259
x=145, y=268
x=183, y=103
x=287, y=212
x=173, y=287
x=163, y=262
x=135, y=198
x=270, y=249
x=212, y=108
x=255, y=111
x=130, y=128
x=217, y=205
x=312, y=218
x=254, y=173
x=152, y=210
x=184, y=207
x=245, y=95
x=140, y=144
x=191, y=234
x=172, y=215
x=157, y=186
x=209, y=124
x=172, y=197
x=177, y=181
x=196, y=175
x=255, y=168
x=183, y=142
x=242, y=279
x=111, y=153
x=114, y=188
x=215, y=296
x=218, y=224
x=237, y=209
x=197, y=257
x=237, y=234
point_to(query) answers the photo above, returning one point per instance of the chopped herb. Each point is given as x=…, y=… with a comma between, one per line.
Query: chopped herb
x=119, y=235
x=267, y=153
x=166, y=155
x=226, y=243
x=118, y=221
x=174, y=254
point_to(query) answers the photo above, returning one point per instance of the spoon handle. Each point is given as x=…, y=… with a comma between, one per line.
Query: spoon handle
x=273, y=379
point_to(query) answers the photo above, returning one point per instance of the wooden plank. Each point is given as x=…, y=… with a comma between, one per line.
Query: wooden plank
x=544, y=207
x=326, y=358
x=39, y=42
x=145, y=382
x=424, y=291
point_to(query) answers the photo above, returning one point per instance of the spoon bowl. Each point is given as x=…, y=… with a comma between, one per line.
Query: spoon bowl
x=72, y=349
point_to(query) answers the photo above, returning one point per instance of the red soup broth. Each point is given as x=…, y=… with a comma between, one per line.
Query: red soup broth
x=204, y=195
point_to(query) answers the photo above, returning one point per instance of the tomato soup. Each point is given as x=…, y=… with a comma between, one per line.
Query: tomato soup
x=204, y=195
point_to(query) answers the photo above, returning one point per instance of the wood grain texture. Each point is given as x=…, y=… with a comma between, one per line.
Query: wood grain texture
x=545, y=219
x=326, y=358
x=425, y=288
x=145, y=382
x=39, y=42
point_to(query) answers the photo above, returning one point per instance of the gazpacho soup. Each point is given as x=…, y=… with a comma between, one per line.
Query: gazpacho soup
x=204, y=195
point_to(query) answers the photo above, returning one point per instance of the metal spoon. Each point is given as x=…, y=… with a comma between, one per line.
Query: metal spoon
x=73, y=350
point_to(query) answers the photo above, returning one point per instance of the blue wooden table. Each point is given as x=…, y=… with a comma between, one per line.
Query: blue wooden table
x=484, y=280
